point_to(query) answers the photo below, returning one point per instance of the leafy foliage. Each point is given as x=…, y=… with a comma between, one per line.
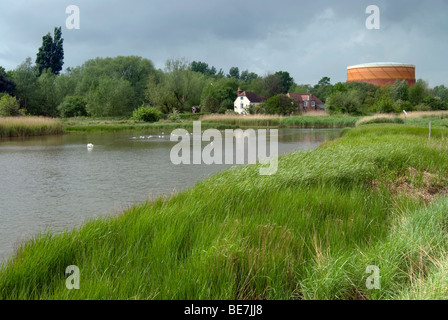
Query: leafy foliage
x=280, y=104
x=51, y=53
x=73, y=106
x=9, y=106
x=147, y=114
x=111, y=97
x=6, y=84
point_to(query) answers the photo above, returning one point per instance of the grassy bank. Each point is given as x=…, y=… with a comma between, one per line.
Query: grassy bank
x=212, y=121
x=89, y=124
x=373, y=197
x=311, y=120
x=29, y=126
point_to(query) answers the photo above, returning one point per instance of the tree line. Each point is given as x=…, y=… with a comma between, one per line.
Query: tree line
x=116, y=87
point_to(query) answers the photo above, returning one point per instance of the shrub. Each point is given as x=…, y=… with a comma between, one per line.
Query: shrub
x=174, y=116
x=280, y=104
x=73, y=106
x=9, y=106
x=422, y=107
x=341, y=102
x=147, y=114
x=401, y=105
x=382, y=120
x=385, y=104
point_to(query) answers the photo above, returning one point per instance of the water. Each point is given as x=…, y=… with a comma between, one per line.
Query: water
x=55, y=182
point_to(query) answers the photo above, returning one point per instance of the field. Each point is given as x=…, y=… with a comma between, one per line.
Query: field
x=375, y=197
x=29, y=126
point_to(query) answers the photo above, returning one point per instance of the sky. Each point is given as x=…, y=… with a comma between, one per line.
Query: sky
x=309, y=39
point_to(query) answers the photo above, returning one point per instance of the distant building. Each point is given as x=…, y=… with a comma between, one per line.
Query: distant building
x=306, y=101
x=381, y=73
x=245, y=100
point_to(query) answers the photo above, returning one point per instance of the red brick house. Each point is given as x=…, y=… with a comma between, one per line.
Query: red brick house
x=306, y=101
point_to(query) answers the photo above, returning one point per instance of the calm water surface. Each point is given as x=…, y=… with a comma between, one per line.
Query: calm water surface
x=54, y=183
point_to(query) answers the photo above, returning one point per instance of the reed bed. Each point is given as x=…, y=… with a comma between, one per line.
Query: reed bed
x=306, y=121
x=380, y=118
x=29, y=126
x=376, y=196
x=425, y=114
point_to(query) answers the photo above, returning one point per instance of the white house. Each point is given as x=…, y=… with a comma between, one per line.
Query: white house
x=245, y=100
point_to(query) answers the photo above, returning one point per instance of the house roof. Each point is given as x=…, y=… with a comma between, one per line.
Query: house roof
x=253, y=97
x=299, y=97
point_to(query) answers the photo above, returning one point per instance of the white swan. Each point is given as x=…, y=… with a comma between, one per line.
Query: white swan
x=89, y=146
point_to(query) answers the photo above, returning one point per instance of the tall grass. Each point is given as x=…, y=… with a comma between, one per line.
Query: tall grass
x=29, y=126
x=307, y=232
x=305, y=121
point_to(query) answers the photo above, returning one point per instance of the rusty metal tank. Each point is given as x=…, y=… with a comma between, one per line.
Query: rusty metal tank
x=381, y=73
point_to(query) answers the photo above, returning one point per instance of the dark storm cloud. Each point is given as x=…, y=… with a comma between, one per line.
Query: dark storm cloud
x=309, y=39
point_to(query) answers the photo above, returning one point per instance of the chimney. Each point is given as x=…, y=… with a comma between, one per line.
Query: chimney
x=239, y=91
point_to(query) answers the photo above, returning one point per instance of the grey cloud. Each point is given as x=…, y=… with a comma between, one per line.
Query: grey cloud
x=309, y=39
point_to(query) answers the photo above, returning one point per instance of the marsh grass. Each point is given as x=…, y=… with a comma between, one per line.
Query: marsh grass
x=308, y=120
x=307, y=232
x=29, y=126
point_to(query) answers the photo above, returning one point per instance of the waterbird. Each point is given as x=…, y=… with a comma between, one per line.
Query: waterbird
x=89, y=146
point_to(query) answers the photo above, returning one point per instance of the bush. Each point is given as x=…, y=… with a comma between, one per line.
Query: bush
x=9, y=106
x=174, y=116
x=73, y=106
x=280, y=104
x=385, y=104
x=147, y=114
x=401, y=105
x=345, y=103
x=422, y=107
x=383, y=120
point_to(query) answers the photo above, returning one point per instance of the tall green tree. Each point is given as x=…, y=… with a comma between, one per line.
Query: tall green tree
x=6, y=84
x=178, y=88
x=234, y=73
x=280, y=104
x=418, y=92
x=399, y=90
x=51, y=53
x=247, y=76
x=322, y=89
x=26, y=86
x=286, y=80
x=273, y=85
x=440, y=92
x=110, y=98
x=202, y=67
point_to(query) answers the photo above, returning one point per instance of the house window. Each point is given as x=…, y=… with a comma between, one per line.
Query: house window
x=242, y=98
x=313, y=103
x=242, y=106
x=305, y=104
